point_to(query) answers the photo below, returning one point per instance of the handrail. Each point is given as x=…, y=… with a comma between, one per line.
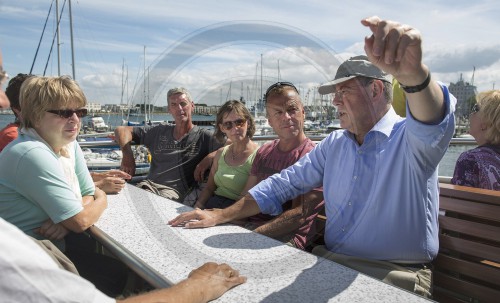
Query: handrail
x=137, y=265
x=315, y=138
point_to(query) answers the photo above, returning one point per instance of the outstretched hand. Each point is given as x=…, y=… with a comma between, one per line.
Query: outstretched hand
x=395, y=48
x=196, y=219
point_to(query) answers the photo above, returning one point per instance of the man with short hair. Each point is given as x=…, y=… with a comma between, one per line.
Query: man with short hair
x=175, y=150
x=285, y=113
x=379, y=174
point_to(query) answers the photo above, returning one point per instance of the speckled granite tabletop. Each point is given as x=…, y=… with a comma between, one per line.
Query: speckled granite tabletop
x=137, y=220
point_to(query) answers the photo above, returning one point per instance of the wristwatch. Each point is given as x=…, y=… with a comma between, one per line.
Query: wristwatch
x=417, y=88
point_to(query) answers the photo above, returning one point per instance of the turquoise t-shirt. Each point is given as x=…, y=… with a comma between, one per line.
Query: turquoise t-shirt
x=231, y=180
x=33, y=186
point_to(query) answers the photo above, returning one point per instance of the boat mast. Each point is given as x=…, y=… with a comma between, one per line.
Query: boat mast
x=261, y=95
x=58, y=41
x=71, y=37
x=144, y=90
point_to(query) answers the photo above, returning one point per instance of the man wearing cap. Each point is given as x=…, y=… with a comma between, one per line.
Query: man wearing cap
x=379, y=174
x=176, y=150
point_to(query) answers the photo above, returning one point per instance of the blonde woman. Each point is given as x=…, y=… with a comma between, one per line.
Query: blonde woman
x=232, y=163
x=480, y=167
x=45, y=187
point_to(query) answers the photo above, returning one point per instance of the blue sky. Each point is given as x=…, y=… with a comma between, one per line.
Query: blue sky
x=212, y=46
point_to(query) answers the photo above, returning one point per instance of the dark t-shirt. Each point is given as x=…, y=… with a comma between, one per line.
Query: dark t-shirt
x=173, y=162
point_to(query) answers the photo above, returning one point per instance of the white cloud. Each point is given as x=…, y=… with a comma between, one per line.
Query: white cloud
x=457, y=35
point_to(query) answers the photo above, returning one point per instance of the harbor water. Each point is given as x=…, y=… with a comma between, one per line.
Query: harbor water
x=446, y=166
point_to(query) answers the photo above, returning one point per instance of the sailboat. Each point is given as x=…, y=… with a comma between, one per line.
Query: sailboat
x=98, y=157
x=145, y=112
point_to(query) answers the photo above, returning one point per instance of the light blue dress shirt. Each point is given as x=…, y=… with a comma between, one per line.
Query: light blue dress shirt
x=381, y=198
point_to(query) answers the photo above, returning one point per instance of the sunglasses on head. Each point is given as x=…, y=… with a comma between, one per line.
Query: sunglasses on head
x=68, y=113
x=279, y=84
x=229, y=124
x=475, y=109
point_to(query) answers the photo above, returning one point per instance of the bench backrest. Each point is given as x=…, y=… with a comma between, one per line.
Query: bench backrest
x=467, y=268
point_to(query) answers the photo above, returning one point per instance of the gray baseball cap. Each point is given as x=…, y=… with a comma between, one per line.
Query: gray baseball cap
x=351, y=68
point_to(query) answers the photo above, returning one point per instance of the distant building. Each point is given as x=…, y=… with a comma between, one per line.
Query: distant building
x=203, y=109
x=116, y=108
x=93, y=107
x=462, y=91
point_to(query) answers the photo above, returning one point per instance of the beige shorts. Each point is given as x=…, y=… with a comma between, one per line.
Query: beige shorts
x=417, y=280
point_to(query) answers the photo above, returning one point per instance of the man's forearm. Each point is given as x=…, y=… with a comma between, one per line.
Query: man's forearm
x=184, y=292
x=243, y=208
x=123, y=136
x=285, y=223
x=427, y=105
x=290, y=220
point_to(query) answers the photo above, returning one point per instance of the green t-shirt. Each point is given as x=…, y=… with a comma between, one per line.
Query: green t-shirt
x=231, y=180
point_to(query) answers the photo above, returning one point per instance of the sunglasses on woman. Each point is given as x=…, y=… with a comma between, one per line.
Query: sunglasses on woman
x=229, y=124
x=68, y=113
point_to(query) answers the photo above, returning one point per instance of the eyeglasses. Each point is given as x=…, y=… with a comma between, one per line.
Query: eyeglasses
x=340, y=93
x=68, y=113
x=3, y=76
x=278, y=84
x=475, y=109
x=364, y=82
x=237, y=123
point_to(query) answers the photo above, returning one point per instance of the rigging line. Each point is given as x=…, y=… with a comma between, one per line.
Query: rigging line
x=41, y=37
x=53, y=38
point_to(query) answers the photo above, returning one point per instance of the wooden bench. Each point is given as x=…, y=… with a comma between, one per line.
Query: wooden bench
x=467, y=268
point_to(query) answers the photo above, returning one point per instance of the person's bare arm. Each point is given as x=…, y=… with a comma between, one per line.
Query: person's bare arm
x=111, y=185
x=123, y=136
x=52, y=231
x=93, y=207
x=98, y=176
x=214, y=217
x=243, y=208
x=204, y=284
x=302, y=207
x=205, y=164
x=210, y=188
x=397, y=49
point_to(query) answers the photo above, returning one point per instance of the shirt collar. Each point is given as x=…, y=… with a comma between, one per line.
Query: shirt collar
x=384, y=126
